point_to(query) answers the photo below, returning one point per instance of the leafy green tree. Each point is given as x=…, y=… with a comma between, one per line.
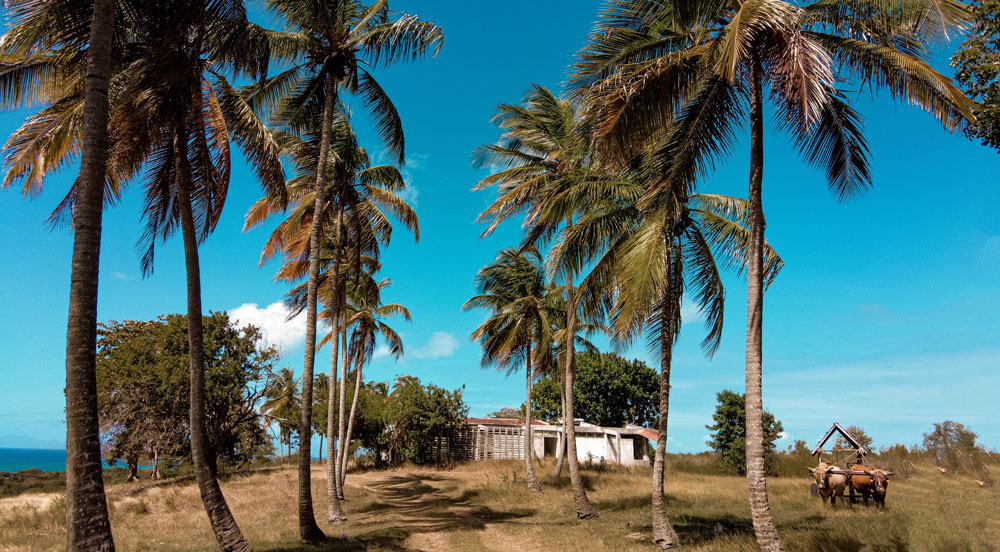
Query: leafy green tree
x=729, y=433
x=695, y=71
x=143, y=381
x=510, y=413
x=859, y=435
x=609, y=391
x=416, y=414
x=977, y=68
x=951, y=444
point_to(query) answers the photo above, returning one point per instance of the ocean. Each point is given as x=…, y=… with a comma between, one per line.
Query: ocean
x=17, y=459
x=49, y=460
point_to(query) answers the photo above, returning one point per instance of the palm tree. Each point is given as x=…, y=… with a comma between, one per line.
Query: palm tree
x=546, y=171
x=281, y=403
x=358, y=197
x=332, y=44
x=366, y=313
x=87, y=524
x=697, y=68
x=321, y=386
x=657, y=249
x=513, y=289
x=174, y=113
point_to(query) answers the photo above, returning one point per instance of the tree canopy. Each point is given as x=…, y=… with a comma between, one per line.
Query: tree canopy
x=609, y=391
x=142, y=377
x=728, y=437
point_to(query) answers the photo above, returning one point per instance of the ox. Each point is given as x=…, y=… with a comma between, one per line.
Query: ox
x=829, y=484
x=873, y=486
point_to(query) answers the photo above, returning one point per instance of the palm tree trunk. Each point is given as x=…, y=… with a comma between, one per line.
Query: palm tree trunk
x=350, y=420
x=529, y=444
x=584, y=509
x=87, y=524
x=309, y=531
x=341, y=418
x=760, y=509
x=227, y=532
x=561, y=444
x=664, y=536
x=335, y=512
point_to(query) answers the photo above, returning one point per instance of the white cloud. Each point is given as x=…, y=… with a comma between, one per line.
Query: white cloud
x=382, y=351
x=440, y=344
x=272, y=320
x=689, y=311
x=121, y=276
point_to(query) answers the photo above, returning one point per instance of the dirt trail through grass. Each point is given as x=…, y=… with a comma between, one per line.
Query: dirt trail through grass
x=431, y=509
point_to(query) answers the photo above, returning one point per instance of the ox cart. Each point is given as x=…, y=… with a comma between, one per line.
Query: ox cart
x=854, y=453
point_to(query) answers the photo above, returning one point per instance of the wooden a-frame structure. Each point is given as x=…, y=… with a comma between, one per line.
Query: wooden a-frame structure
x=859, y=450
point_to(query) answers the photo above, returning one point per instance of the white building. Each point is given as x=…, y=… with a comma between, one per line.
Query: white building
x=503, y=438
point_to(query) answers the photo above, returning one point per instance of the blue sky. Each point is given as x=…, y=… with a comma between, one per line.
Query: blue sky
x=885, y=315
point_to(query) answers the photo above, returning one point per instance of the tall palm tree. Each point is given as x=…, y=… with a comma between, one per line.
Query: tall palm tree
x=87, y=524
x=547, y=172
x=698, y=68
x=366, y=314
x=333, y=43
x=174, y=113
x=657, y=249
x=513, y=289
x=358, y=197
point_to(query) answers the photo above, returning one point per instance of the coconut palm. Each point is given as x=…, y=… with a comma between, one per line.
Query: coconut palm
x=657, y=250
x=519, y=330
x=546, y=171
x=91, y=42
x=331, y=48
x=174, y=114
x=281, y=403
x=698, y=68
x=366, y=314
x=357, y=198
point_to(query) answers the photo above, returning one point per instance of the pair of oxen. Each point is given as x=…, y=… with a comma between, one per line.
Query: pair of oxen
x=831, y=485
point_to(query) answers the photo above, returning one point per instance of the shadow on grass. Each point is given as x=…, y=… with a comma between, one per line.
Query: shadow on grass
x=415, y=507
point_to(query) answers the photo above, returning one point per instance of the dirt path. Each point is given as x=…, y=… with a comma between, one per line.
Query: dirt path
x=428, y=506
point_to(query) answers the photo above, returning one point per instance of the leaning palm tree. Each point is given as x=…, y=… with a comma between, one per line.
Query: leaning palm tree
x=698, y=68
x=513, y=289
x=332, y=45
x=366, y=313
x=173, y=114
x=87, y=524
x=655, y=250
x=546, y=171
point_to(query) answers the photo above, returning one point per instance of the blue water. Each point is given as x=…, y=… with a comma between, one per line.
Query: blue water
x=16, y=459
x=50, y=460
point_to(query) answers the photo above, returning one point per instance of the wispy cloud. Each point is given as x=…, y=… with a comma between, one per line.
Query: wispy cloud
x=690, y=311
x=122, y=276
x=272, y=320
x=382, y=351
x=439, y=345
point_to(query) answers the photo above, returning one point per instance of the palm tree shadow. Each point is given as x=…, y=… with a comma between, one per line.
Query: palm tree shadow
x=416, y=507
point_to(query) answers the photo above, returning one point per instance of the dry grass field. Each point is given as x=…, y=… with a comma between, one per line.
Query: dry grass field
x=485, y=506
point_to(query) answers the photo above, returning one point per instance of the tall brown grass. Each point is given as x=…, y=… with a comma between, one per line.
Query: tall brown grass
x=486, y=506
